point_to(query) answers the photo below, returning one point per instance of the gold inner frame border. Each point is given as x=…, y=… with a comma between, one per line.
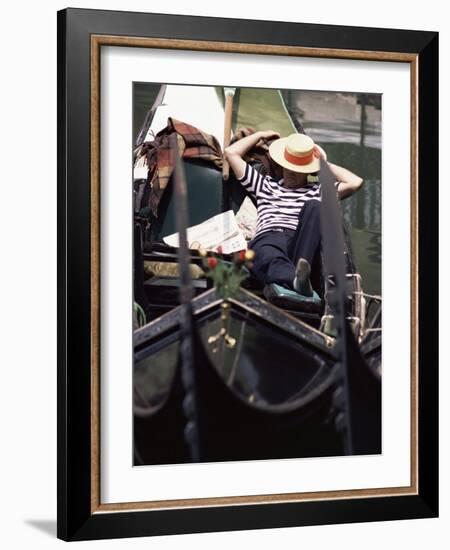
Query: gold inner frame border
x=97, y=41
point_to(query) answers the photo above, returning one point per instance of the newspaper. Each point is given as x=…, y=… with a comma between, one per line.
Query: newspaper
x=221, y=230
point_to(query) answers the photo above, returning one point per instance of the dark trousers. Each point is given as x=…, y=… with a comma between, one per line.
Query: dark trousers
x=277, y=252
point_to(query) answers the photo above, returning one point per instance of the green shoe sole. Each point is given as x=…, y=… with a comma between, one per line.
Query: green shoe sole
x=290, y=299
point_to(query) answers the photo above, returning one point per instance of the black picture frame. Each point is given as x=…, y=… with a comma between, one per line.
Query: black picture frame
x=77, y=517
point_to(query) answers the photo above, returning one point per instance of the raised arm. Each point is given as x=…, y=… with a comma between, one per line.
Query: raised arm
x=349, y=182
x=235, y=153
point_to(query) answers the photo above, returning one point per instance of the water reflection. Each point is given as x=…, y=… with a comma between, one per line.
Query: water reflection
x=348, y=126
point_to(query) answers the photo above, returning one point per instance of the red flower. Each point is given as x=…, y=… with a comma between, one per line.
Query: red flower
x=212, y=263
x=242, y=255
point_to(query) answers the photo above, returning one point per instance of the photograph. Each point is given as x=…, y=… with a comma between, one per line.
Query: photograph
x=249, y=343
x=247, y=315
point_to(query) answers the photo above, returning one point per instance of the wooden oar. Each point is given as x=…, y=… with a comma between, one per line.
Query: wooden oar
x=229, y=95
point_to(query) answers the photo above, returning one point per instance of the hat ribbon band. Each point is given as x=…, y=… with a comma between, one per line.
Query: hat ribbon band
x=299, y=161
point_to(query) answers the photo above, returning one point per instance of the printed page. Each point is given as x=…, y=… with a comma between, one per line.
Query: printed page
x=221, y=230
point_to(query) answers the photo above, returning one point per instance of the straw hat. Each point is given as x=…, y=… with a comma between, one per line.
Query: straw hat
x=296, y=152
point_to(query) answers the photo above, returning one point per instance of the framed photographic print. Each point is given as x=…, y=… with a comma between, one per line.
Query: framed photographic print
x=247, y=274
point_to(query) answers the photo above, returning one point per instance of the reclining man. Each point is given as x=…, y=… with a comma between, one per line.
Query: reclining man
x=288, y=234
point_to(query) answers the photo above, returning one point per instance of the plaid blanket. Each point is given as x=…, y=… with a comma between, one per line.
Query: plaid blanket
x=158, y=155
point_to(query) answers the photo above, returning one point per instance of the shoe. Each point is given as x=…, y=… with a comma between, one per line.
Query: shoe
x=286, y=298
x=301, y=283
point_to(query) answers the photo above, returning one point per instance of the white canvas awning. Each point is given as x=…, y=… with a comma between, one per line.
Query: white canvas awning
x=199, y=106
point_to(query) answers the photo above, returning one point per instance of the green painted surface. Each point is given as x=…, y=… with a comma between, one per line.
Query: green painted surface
x=260, y=109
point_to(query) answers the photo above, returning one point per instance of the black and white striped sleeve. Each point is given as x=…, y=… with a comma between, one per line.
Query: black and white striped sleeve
x=252, y=180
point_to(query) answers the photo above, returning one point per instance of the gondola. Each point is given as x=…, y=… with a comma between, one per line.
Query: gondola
x=298, y=381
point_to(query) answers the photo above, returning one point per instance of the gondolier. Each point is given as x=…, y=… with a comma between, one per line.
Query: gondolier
x=288, y=233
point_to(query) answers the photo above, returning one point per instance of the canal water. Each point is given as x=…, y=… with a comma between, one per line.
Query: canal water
x=347, y=125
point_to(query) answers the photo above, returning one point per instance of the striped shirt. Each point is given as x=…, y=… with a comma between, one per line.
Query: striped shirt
x=278, y=207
